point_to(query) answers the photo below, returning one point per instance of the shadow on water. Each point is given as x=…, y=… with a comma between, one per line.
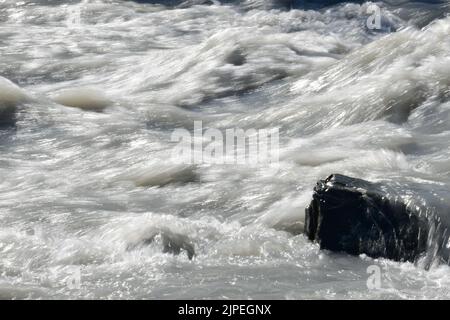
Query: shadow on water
x=8, y=127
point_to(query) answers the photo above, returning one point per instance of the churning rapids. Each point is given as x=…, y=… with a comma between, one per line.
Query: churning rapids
x=91, y=91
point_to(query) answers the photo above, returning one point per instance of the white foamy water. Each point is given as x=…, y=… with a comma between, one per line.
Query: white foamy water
x=91, y=91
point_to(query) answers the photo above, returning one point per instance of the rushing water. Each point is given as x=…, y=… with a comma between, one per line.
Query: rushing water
x=79, y=184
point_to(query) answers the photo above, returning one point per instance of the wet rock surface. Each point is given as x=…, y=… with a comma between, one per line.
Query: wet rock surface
x=356, y=216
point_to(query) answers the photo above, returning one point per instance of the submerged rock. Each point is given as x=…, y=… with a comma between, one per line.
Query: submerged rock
x=356, y=216
x=171, y=242
x=165, y=174
x=10, y=97
x=83, y=98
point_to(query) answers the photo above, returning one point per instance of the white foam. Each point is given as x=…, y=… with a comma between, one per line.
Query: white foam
x=287, y=214
x=369, y=84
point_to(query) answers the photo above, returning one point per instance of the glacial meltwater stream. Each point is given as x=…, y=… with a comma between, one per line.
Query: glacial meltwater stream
x=92, y=91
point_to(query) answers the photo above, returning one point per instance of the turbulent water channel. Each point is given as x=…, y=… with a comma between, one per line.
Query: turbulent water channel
x=92, y=91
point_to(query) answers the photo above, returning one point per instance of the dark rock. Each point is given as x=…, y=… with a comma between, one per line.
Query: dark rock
x=355, y=216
